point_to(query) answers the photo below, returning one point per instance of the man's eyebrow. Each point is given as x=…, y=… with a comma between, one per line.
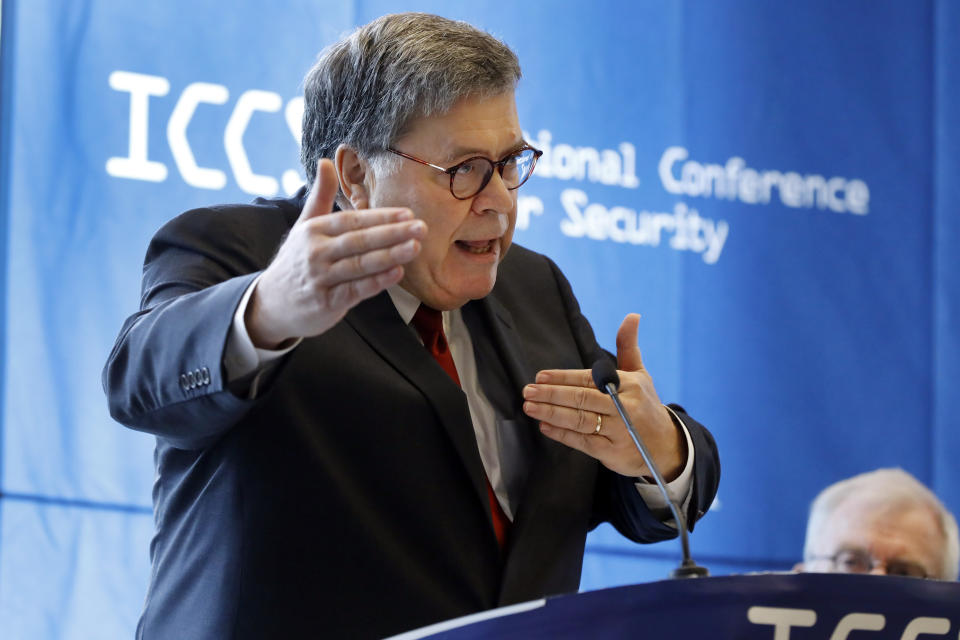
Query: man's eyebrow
x=850, y=548
x=460, y=152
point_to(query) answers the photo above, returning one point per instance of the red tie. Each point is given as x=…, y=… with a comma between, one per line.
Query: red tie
x=429, y=324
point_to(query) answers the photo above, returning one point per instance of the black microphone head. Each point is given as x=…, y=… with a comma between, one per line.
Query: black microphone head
x=604, y=373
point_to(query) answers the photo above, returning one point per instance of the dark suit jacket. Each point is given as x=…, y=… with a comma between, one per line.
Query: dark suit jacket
x=348, y=498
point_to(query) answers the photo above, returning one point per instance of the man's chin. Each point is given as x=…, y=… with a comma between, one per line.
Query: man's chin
x=451, y=292
x=481, y=289
x=449, y=300
x=462, y=298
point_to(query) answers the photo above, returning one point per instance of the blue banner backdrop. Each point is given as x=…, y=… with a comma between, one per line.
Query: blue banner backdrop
x=772, y=186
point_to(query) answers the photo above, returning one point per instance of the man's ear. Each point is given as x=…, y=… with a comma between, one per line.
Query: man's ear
x=353, y=172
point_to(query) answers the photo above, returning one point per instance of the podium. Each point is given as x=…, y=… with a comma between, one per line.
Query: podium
x=766, y=606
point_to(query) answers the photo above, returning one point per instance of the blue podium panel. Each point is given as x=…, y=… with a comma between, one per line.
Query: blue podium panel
x=794, y=607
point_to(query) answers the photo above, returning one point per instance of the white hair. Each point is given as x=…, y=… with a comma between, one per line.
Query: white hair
x=893, y=488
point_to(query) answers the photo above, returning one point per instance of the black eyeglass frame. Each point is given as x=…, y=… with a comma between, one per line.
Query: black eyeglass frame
x=497, y=166
x=900, y=568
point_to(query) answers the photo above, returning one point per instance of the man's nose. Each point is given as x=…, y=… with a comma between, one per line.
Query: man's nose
x=879, y=569
x=495, y=195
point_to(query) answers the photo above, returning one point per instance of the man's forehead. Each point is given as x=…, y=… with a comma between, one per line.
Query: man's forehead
x=866, y=524
x=474, y=125
x=494, y=144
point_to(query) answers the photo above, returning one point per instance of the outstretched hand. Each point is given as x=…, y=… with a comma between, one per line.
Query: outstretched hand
x=329, y=263
x=567, y=404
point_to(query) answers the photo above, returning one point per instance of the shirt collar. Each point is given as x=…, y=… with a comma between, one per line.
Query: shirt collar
x=405, y=302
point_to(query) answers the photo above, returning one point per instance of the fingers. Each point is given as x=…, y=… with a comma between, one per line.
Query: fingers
x=349, y=220
x=360, y=265
x=365, y=251
x=566, y=398
x=569, y=377
x=588, y=444
x=582, y=421
x=628, y=349
x=324, y=191
x=329, y=263
x=370, y=232
x=573, y=408
x=347, y=294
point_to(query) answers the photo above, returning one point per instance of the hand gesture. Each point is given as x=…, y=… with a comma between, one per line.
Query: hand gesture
x=571, y=410
x=328, y=264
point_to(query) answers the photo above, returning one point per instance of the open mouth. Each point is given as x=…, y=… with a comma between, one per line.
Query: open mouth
x=475, y=246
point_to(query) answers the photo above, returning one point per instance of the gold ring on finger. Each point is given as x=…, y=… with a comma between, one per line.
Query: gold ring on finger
x=596, y=431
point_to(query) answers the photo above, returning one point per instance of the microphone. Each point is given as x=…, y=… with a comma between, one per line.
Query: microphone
x=606, y=378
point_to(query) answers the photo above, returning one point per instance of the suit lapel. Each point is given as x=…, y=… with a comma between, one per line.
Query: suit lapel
x=555, y=472
x=488, y=318
x=376, y=320
x=500, y=354
x=495, y=341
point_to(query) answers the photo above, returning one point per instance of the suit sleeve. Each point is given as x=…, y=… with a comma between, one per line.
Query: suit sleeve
x=165, y=374
x=616, y=499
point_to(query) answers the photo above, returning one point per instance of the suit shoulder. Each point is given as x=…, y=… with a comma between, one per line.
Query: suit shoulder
x=257, y=227
x=524, y=272
x=520, y=259
x=274, y=212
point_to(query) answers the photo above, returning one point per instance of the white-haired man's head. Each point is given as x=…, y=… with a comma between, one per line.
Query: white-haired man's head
x=882, y=522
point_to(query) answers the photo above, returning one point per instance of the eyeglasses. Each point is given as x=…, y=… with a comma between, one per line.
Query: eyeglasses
x=861, y=561
x=468, y=178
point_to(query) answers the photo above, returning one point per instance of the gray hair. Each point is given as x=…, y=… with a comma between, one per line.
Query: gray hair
x=893, y=488
x=366, y=90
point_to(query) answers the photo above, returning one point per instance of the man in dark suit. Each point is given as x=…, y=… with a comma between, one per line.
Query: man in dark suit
x=369, y=416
